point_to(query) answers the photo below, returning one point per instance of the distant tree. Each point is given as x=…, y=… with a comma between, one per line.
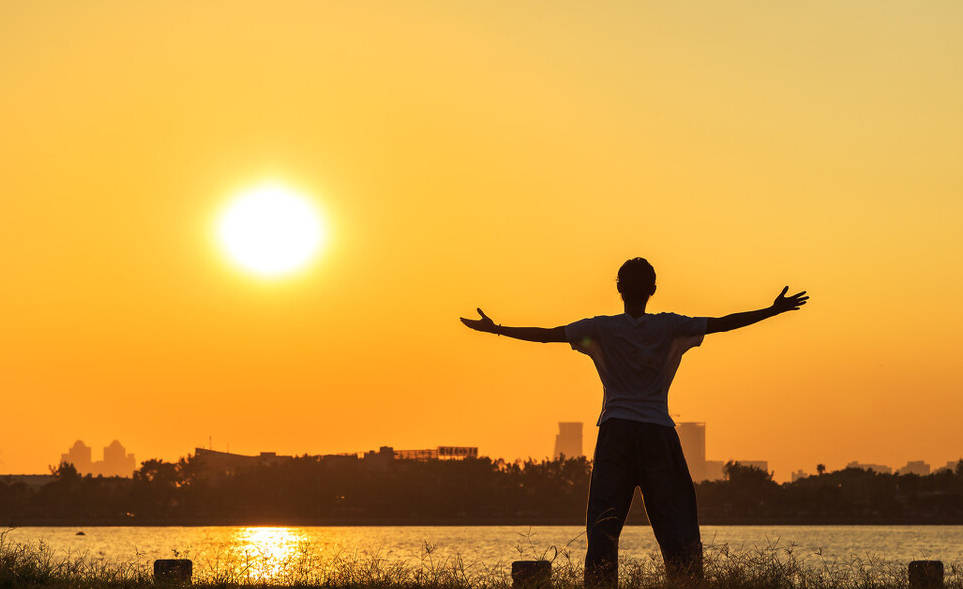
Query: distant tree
x=158, y=472
x=739, y=473
x=65, y=471
x=820, y=468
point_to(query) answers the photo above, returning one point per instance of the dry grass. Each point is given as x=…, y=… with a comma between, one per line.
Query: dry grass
x=771, y=567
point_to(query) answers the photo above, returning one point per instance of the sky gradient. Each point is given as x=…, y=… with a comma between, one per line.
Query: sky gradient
x=502, y=155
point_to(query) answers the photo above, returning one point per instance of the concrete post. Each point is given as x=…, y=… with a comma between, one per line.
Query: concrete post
x=173, y=571
x=531, y=574
x=926, y=574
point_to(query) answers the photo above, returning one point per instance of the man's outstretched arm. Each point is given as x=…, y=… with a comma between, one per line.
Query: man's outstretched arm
x=737, y=320
x=529, y=334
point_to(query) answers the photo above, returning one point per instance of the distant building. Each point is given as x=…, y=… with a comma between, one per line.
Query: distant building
x=799, y=474
x=426, y=454
x=346, y=457
x=692, y=435
x=438, y=453
x=378, y=459
x=116, y=463
x=214, y=463
x=568, y=440
x=917, y=467
x=457, y=452
x=715, y=470
x=80, y=456
x=950, y=466
x=877, y=468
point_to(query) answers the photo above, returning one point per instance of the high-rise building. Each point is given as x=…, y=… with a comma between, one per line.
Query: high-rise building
x=692, y=435
x=116, y=463
x=79, y=456
x=568, y=441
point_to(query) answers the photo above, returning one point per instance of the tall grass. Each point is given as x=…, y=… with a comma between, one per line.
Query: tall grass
x=39, y=565
x=774, y=566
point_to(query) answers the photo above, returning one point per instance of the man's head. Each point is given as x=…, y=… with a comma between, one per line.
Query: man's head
x=636, y=281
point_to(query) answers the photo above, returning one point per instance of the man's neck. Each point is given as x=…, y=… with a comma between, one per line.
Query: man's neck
x=636, y=309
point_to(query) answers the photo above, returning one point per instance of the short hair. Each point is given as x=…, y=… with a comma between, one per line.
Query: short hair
x=636, y=280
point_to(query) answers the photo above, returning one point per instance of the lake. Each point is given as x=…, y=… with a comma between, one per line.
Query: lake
x=266, y=551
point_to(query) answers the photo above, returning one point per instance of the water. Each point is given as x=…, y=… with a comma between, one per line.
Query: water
x=267, y=551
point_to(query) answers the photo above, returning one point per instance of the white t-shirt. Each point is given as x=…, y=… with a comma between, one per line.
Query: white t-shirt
x=636, y=360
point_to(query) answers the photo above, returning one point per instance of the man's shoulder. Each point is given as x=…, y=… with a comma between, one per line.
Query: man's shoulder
x=603, y=319
x=595, y=323
x=668, y=320
x=669, y=316
x=684, y=325
x=663, y=317
x=621, y=317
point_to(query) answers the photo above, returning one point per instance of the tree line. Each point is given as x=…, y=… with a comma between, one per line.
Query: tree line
x=314, y=490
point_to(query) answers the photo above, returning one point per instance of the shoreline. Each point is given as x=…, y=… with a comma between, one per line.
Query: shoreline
x=389, y=524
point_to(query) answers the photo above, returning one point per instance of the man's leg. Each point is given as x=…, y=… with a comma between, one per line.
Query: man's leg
x=610, y=495
x=670, y=503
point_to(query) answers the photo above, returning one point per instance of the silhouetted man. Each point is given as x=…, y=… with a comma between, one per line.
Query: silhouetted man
x=636, y=355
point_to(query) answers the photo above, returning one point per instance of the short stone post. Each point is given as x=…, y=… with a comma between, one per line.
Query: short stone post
x=173, y=571
x=926, y=574
x=531, y=574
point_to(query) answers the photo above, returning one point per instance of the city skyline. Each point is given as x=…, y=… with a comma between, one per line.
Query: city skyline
x=692, y=435
x=115, y=462
x=692, y=438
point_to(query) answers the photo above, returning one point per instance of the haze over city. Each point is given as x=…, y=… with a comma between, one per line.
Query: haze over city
x=515, y=169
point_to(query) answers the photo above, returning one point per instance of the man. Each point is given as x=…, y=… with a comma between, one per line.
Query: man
x=636, y=355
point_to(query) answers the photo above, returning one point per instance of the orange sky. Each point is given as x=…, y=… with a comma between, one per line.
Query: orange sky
x=509, y=155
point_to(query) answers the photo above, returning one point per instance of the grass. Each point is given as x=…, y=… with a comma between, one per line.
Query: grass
x=771, y=567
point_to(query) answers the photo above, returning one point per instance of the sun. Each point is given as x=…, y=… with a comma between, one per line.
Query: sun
x=271, y=230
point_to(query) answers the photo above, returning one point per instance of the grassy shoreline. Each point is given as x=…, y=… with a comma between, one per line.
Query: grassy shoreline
x=772, y=567
x=352, y=523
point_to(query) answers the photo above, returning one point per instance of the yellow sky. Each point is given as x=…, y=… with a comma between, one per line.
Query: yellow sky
x=508, y=155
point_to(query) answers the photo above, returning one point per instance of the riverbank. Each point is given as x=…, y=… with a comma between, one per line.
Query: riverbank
x=773, y=566
x=635, y=518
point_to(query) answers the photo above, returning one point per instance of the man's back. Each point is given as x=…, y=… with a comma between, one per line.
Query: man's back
x=636, y=359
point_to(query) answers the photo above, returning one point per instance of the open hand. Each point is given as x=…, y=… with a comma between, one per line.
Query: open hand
x=484, y=324
x=790, y=303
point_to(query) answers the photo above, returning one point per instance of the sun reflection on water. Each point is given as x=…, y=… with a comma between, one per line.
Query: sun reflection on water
x=266, y=552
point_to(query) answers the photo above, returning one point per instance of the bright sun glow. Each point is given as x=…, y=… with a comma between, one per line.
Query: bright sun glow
x=271, y=230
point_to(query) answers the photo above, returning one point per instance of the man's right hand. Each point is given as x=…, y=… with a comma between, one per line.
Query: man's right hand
x=484, y=324
x=790, y=303
x=737, y=320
